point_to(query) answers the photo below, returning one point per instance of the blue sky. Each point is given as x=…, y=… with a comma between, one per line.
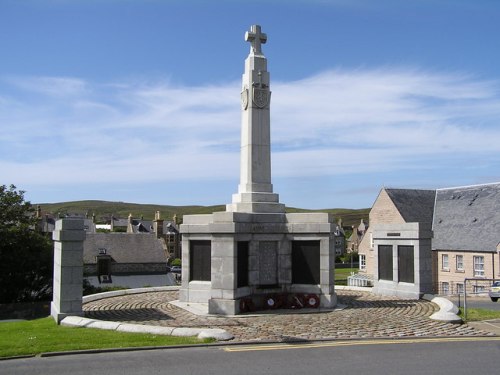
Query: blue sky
x=138, y=101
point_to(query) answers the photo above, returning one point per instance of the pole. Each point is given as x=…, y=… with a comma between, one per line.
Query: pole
x=465, y=299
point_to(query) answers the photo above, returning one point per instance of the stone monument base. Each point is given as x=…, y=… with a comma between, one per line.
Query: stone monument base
x=240, y=262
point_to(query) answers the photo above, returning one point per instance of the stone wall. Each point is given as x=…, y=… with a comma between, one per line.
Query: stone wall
x=454, y=276
x=382, y=212
x=128, y=269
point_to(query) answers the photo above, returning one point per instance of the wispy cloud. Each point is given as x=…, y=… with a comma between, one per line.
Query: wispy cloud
x=339, y=122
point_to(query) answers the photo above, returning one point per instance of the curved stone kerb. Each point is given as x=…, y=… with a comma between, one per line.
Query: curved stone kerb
x=447, y=310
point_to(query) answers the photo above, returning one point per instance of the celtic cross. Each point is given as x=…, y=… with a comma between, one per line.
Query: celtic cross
x=256, y=38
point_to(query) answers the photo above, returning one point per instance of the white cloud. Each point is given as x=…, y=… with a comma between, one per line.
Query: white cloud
x=340, y=122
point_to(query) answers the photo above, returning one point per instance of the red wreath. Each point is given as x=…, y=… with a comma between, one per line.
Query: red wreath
x=246, y=305
x=271, y=302
x=312, y=300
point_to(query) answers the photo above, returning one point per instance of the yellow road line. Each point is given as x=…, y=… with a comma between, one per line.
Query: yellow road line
x=287, y=346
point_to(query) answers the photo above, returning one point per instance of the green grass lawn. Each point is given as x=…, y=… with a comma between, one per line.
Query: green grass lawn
x=44, y=335
x=479, y=314
x=342, y=273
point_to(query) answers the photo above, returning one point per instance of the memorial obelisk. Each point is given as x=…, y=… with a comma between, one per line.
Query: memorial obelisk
x=255, y=191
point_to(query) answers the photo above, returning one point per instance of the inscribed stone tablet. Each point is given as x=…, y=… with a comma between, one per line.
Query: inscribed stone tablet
x=268, y=263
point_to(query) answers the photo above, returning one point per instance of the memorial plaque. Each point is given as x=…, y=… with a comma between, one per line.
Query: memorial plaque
x=268, y=263
x=406, y=264
x=385, y=262
x=305, y=262
x=242, y=264
x=200, y=259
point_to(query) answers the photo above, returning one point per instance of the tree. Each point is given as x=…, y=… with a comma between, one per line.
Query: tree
x=26, y=255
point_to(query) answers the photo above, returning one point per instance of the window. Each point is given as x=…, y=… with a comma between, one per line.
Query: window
x=478, y=266
x=406, y=269
x=445, y=265
x=200, y=260
x=362, y=262
x=478, y=289
x=460, y=288
x=460, y=262
x=385, y=262
x=305, y=262
x=372, y=244
x=445, y=288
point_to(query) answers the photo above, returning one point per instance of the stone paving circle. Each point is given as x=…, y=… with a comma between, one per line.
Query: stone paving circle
x=365, y=316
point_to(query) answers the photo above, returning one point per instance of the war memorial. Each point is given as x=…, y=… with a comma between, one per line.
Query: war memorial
x=254, y=255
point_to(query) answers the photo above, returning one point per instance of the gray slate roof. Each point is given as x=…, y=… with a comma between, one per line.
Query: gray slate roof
x=124, y=247
x=416, y=206
x=467, y=218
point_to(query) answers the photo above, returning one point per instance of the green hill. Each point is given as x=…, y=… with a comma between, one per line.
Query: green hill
x=104, y=209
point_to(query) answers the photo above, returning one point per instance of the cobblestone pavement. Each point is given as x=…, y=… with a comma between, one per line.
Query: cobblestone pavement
x=365, y=316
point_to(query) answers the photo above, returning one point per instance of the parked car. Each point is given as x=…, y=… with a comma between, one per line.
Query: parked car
x=494, y=292
x=176, y=269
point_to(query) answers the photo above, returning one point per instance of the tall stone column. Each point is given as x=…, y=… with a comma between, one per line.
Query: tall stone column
x=68, y=238
x=255, y=191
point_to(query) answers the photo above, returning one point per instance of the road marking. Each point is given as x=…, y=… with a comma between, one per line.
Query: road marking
x=287, y=346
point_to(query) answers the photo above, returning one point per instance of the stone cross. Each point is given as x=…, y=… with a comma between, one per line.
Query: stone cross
x=256, y=38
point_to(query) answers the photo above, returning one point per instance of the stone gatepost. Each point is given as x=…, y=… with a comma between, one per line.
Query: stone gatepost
x=68, y=238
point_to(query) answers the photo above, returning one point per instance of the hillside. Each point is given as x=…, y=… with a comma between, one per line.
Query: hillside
x=104, y=209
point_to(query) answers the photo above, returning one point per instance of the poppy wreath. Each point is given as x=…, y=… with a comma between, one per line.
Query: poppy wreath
x=312, y=300
x=272, y=301
x=246, y=305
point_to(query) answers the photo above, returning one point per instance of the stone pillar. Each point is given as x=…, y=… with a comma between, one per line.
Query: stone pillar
x=68, y=236
x=255, y=191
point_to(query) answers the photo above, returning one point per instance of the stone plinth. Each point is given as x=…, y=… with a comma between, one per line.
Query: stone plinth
x=269, y=240
x=68, y=238
x=417, y=238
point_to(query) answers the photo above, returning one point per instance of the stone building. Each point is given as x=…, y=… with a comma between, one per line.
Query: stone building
x=454, y=234
x=107, y=256
x=466, y=236
x=396, y=248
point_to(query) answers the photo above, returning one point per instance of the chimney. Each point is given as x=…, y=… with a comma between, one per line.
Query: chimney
x=158, y=225
x=130, y=227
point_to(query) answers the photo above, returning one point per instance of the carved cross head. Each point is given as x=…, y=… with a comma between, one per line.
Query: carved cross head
x=256, y=38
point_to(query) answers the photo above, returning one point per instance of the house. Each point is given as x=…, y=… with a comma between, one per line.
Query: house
x=47, y=221
x=423, y=241
x=118, y=258
x=466, y=236
x=168, y=230
x=357, y=234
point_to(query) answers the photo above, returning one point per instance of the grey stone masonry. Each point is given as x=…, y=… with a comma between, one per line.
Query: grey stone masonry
x=68, y=236
x=244, y=256
x=255, y=191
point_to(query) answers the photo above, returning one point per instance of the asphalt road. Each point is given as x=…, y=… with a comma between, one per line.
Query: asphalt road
x=477, y=302
x=421, y=356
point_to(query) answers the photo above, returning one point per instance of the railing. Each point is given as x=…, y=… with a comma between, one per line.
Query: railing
x=360, y=280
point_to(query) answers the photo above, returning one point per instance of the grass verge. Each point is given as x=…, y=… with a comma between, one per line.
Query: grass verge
x=341, y=275
x=44, y=335
x=474, y=315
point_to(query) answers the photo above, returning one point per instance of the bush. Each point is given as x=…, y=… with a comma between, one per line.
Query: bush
x=88, y=288
x=176, y=262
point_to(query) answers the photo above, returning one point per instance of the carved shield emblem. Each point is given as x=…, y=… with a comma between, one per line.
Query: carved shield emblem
x=244, y=99
x=261, y=97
